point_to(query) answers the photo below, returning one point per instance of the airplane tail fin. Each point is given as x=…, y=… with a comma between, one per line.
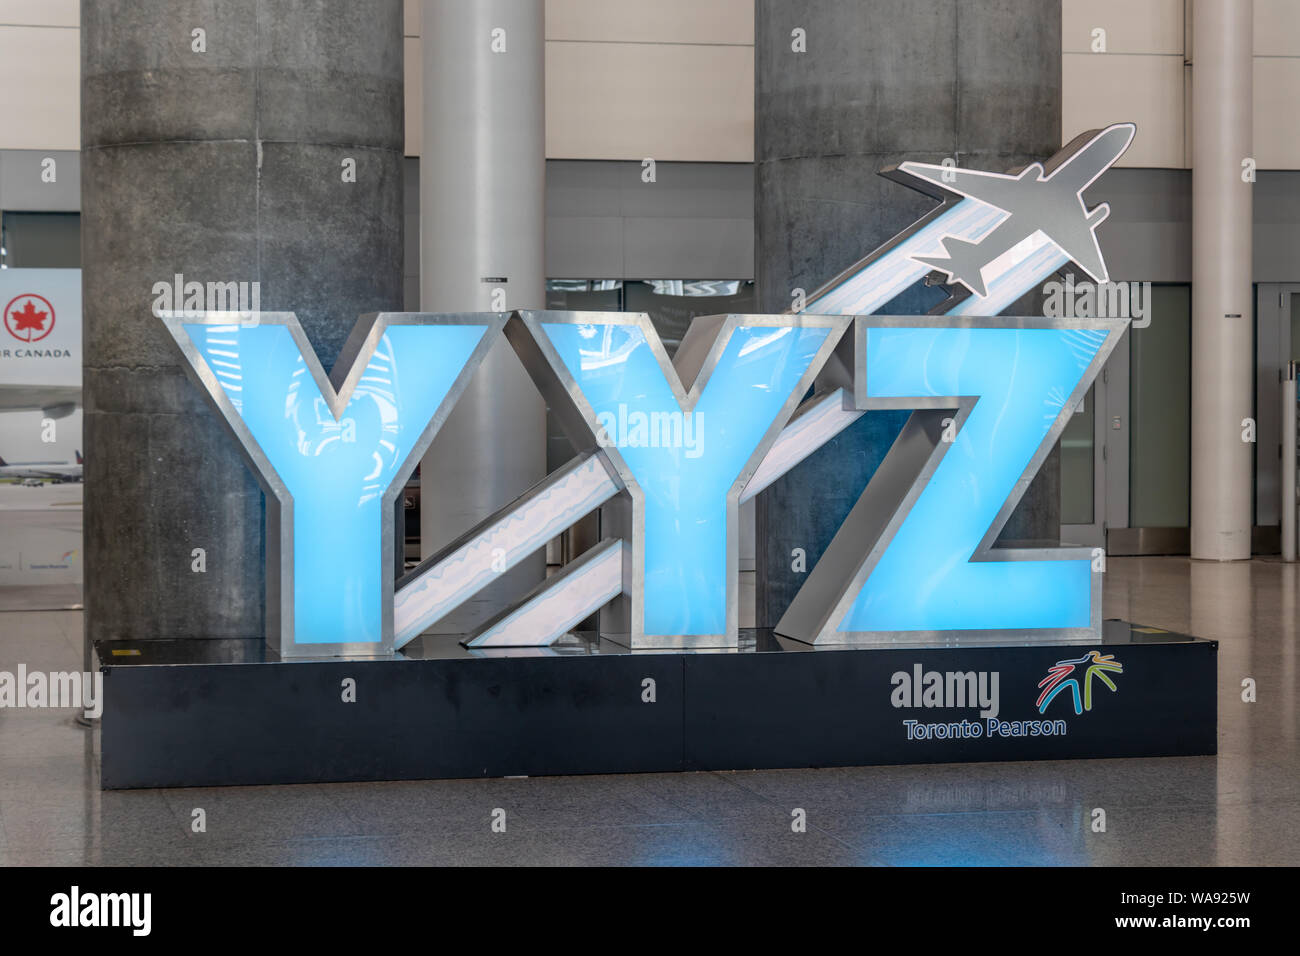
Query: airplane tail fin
x=3, y=463
x=80, y=460
x=962, y=264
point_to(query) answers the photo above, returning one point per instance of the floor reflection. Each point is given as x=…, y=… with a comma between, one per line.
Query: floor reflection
x=1241, y=807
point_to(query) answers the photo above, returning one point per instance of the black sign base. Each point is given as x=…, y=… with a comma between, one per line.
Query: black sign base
x=221, y=712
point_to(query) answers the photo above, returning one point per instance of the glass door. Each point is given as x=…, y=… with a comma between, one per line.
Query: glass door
x=1083, y=486
x=1126, y=454
x=1277, y=339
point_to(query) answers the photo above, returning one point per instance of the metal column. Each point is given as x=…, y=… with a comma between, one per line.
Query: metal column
x=1222, y=336
x=482, y=233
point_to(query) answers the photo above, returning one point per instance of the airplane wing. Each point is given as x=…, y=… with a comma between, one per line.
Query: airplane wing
x=1077, y=240
x=994, y=189
x=1094, y=152
x=59, y=400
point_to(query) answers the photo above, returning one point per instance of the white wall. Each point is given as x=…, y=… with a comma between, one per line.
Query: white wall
x=627, y=79
x=673, y=79
x=40, y=74
x=1143, y=77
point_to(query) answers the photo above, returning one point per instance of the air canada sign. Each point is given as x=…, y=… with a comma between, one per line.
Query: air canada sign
x=29, y=319
x=670, y=449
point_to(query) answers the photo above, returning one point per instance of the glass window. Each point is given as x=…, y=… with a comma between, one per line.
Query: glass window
x=1160, y=401
x=41, y=240
x=1294, y=298
x=585, y=295
x=1077, y=475
x=672, y=303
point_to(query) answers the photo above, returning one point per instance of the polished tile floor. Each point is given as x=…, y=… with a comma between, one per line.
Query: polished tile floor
x=1241, y=807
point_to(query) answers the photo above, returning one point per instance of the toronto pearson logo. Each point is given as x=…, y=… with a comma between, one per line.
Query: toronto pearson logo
x=1095, y=664
x=29, y=317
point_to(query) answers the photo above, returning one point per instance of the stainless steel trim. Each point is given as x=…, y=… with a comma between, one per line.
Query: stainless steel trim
x=625, y=515
x=833, y=585
x=336, y=390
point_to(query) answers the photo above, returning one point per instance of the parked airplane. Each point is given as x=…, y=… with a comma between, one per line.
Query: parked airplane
x=1037, y=199
x=47, y=470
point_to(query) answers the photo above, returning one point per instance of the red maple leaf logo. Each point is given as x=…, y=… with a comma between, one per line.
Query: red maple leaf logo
x=29, y=324
x=28, y=318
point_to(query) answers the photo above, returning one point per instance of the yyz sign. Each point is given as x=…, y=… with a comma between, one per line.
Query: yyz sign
x=671, y=448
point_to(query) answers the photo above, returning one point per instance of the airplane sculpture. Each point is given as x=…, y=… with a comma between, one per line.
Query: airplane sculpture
x=1032, y=198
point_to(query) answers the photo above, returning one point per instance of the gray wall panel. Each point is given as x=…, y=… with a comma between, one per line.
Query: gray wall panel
x=689, y=190
x=679, y=248
x=1148, y=236
x=1277, y=227
x=584, y=247
x=587, y=188
x=707, y=218
x=21, y=187
x=602, y=222
x=695, y=221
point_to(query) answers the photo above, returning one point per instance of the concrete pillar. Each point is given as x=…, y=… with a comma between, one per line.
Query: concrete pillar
x=879, y=83
x=482, y=248
x=218, y=155
x=1222, y=312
